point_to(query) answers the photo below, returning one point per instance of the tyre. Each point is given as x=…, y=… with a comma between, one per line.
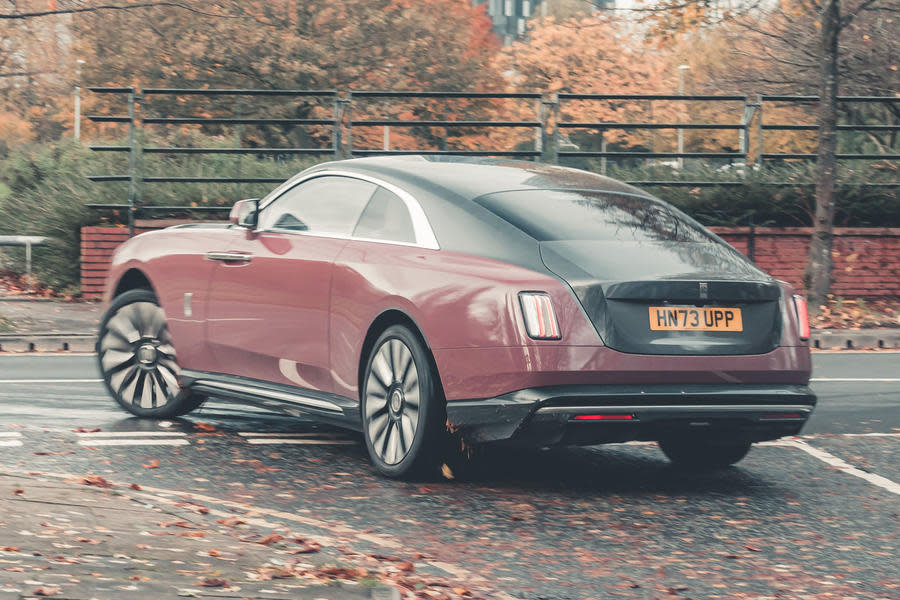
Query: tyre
x=402, y=408
x=704, y=454
x=137, y=359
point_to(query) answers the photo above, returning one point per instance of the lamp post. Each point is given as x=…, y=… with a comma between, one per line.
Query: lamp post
x=681, y=70
x=78, y=64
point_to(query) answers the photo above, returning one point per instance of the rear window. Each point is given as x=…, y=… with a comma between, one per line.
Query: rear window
x=558, y=215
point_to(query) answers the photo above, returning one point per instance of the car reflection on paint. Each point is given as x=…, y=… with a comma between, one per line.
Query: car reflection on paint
x=507, y=302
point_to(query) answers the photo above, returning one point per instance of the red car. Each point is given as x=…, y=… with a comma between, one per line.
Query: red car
x=498, y=301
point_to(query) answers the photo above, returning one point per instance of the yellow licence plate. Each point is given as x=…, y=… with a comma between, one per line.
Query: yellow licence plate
x=692, y=318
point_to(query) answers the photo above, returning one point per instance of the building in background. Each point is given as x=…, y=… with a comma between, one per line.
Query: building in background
x=511, y=16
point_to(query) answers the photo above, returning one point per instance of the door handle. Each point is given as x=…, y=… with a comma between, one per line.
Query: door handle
x=230, y=256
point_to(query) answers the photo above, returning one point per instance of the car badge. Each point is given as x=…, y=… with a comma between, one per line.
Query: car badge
x=704, y=290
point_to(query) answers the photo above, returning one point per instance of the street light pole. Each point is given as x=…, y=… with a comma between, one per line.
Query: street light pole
x=681, y=70
x=78, y=64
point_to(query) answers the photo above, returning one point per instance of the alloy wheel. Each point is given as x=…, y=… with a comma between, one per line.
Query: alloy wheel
x=392, y=401
x=137, y=356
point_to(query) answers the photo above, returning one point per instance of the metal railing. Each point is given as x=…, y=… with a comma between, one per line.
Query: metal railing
x=27, y=241
x=537, y=126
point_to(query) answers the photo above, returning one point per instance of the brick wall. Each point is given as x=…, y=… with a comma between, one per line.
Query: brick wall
x=866, y=260
x=97, y=246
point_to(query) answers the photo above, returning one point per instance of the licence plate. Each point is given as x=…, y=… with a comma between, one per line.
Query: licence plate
x=692, y=318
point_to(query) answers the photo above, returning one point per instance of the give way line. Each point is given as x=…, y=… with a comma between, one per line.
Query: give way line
x=839, y=464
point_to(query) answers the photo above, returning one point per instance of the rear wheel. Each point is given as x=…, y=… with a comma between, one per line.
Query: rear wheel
x=137, y=358
x=704, y=454
x=401, y=406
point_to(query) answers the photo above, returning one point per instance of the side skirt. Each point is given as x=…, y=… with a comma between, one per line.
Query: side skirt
x=290, y=400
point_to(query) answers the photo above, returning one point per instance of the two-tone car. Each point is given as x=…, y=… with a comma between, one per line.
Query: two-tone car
x=413, y=299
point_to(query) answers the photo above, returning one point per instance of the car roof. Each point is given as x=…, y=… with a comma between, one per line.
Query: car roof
x=471, y=177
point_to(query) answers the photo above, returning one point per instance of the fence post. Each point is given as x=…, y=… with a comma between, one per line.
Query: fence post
x=549, y=118
x=348, y=113
x=133, y=158
x=759, y=132
x=337, y=138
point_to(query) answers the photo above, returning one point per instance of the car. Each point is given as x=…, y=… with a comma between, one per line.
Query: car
x=482, y=301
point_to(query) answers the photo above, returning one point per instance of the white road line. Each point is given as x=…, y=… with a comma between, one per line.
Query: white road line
x=50, y=380
x=855, y=380
x=10, y=443
x=107, y=442
x=814, y=436
x=840, y=465
x=8, y=434
x=253, y=434
x=128, y=434
x=259, y=441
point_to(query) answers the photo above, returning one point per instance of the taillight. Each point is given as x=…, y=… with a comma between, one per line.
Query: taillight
x=613, y=417
x=802, y=316
x=540, y=320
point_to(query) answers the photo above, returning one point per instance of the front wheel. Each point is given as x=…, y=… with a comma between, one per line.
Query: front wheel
x=704, y=454
x=401, y=406
x=137, y=358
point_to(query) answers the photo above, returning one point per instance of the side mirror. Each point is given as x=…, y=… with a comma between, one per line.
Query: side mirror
x=245, y=213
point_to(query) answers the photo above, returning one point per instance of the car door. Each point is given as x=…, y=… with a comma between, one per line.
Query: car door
x=270, y=293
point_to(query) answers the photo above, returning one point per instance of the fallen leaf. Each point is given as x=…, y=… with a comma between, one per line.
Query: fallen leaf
x=307, y=547
x=204, y=427
x=17, y=492
x=406, y=566
x=446, y=471
x=85, y=540
x=96, y=481
x=152, y=464
x=196, y=534
x=46, y=590
x=83, y=430
x=212, y=582
x=230, y=521
x=270, y=539
x=135, y=486
x=9, y=549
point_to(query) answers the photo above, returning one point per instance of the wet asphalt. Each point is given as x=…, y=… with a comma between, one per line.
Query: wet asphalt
x=816, y=518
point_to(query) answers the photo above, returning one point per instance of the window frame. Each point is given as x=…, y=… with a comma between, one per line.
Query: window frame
x=422, y=230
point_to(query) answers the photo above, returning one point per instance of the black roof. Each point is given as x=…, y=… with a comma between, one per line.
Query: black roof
x=469, y=178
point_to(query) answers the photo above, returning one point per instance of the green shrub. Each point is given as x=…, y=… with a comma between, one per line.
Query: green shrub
x=48, y=192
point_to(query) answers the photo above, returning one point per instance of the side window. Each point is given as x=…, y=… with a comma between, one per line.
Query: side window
x=326, y=204
x=386, y=218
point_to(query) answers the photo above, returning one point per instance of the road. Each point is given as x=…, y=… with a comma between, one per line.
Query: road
x=815, y=517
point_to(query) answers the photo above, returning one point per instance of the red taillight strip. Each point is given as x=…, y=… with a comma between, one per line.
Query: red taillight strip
x=542, y=332
x=604, y=417
x=802, y=316
x=785, y=415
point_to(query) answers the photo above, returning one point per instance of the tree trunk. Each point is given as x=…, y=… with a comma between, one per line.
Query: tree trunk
x=817, y=278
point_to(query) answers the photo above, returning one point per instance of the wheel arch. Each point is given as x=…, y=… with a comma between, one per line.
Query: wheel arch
x=387, y=318
x=133, y=279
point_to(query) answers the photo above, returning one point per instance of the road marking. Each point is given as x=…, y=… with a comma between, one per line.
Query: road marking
x=150, y=442
x=133, y=434
x=10, y=443
x=815, y=436
x=259, y=441
x=840, y=465
x=855, y=379
x=253, y=434
x=50, y=380
x=8, y=434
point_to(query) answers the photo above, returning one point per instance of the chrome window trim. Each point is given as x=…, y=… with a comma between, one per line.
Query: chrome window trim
x=422, y=229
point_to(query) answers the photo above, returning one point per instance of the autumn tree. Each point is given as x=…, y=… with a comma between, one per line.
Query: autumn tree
x=804, y=45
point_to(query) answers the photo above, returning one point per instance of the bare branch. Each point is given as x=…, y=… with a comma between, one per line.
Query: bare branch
x=103, y=7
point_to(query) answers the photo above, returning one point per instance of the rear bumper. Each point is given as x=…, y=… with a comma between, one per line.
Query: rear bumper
x=554, y=415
